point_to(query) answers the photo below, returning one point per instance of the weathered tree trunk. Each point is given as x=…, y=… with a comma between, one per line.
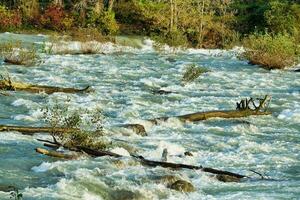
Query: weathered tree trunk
x=56, y=154
x=245, y=108
x=14, y=86
x=200, y=116
x=150, y=163
x=33, y=130
x=172, y=14
x=184, y=166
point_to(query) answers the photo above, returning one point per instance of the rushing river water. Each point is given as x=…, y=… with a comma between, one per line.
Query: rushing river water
x=123, y=79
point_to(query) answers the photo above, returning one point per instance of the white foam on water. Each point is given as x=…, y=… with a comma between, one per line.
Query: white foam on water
x=120, y=151
x=292, y=115
x=25, y=102
x=45, y=166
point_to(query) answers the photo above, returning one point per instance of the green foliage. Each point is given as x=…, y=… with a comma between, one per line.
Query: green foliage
x=271, y=51
x=191, y=73
x=173, y=38
x=280, y=18
x=249, y=15
x=85, y=128
x=15, y=53
x=105, y=22
x=9, y=19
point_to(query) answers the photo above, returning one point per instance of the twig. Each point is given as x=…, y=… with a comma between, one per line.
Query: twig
x=262, y=177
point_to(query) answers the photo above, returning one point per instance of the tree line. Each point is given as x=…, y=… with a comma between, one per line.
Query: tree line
x=196, y=23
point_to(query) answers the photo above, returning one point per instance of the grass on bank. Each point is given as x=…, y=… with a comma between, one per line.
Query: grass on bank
x=271, y=51
x=15, y=53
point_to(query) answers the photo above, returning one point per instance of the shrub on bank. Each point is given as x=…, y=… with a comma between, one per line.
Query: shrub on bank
x=105, y=22
x=9, y=19
x=14, y=53
x=55, y=18
x=271, y=51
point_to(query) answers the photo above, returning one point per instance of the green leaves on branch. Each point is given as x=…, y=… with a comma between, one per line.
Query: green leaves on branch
x=85, y=127
x=271, y=51
x=191, y=73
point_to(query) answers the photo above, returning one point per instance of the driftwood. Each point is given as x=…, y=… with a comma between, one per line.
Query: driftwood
x=137, y=128
x=183, y=166
x=33, y=130
x=15, y=86
x=243, y=109
x=55, y=154
x=142, y=160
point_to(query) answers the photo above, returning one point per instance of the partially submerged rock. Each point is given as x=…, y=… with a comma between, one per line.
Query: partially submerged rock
x=176, y=183
x=182, y=186
x=127, y=195
x=137, y=128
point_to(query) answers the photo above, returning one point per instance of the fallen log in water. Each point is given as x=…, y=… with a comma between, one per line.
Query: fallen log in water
x=56, y=154
x=143, y=161
x=33, y=130
x=245, y=108
x=200, y=116
x=137, y=128
x=15, y=86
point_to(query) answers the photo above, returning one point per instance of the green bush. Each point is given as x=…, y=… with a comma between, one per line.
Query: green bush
x=173, y=38
x=15, y=53
x=84, y=133
x=271, y=51
x=9, y=19
x=191, y=73
x=105, y=22
x=280, y=17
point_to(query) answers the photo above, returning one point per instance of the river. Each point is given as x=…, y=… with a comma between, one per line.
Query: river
x=123, y=79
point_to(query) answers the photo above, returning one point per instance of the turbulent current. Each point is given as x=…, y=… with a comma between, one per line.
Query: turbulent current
x=124, y=78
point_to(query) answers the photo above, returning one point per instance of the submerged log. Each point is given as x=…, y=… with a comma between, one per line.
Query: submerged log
x=200, y=116
x=184, y=166
x=245, y=108
x=15, y=86
x=139, y=129
x=56, y=154
x=33, y=130
x=150, y=163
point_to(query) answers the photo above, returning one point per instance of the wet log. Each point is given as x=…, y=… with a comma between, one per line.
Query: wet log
x=14, y=86
x=184, y=166
x=97, y=153
x=56, y=154
x=245, y=108
x=33, y=130
x=200, y=116
x=151, y=163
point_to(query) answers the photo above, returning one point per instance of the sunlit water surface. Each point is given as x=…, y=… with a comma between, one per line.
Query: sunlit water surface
x=124, y=79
